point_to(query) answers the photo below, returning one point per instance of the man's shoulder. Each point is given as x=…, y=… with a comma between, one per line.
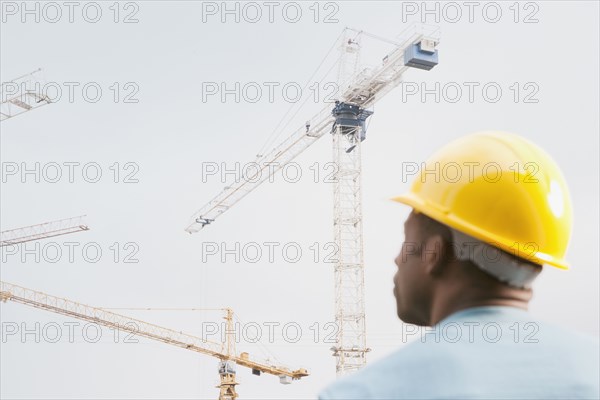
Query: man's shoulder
x=438, y=360
x=413, y=362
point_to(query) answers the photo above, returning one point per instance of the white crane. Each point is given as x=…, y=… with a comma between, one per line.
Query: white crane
x=43, y=231
x=21, y=94
x=358, y=92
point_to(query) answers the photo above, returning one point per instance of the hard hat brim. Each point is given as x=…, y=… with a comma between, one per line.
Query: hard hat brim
x=446, y=217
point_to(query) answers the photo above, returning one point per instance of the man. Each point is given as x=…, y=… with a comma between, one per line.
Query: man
x=489, y=210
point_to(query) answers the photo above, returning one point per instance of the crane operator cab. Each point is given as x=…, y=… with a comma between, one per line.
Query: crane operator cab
x=350, y=118
x=226, y=368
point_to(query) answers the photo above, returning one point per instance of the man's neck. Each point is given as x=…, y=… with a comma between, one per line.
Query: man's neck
x=450, y=300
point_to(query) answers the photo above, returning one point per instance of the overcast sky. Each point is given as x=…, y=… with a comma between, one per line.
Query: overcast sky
x=140, y=114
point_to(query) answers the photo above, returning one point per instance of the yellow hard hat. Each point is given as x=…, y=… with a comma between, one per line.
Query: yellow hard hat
x=501, y=189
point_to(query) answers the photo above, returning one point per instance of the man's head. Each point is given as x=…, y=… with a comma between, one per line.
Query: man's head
x=497, y=191
x=432, y=279
x=418, y=262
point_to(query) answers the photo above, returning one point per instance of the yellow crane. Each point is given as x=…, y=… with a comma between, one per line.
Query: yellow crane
x=223, y=351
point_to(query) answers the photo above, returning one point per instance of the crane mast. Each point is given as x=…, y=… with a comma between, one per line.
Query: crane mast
x=358, y=91
x=348, y=132
x=223, y=351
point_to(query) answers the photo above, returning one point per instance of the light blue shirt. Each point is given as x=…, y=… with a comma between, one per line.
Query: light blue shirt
x=482, y=353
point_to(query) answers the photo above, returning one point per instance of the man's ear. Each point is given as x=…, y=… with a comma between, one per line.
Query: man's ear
x=434, y=254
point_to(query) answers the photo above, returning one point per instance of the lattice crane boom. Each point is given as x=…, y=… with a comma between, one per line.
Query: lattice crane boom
x=100, y=316
x=366, y=88
x=43, y=231
x=21, y=94
x=266, y=166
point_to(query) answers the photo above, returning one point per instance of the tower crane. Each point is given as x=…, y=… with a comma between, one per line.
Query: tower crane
x=21, y=94
x=223, y=351
x=43, y=231
x=358, y=91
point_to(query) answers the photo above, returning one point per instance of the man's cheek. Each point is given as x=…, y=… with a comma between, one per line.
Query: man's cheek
x=400, y=281
x=409, y=250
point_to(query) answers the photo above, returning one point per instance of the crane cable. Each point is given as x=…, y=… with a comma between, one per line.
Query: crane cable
x=266, y=352
x=271, y=137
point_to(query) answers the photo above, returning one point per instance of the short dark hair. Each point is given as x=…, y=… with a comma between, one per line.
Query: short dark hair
x=429, y=227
